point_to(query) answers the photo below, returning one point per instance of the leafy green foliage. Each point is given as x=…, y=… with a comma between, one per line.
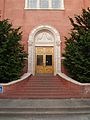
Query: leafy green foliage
x=77, y=51
x=12, y=55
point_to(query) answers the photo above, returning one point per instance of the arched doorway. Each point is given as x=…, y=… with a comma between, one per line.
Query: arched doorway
x=44, y=50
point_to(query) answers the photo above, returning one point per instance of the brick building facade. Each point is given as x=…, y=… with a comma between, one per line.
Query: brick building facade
x=44, y=24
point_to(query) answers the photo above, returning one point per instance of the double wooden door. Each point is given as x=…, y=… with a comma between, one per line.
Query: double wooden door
x=44, y=60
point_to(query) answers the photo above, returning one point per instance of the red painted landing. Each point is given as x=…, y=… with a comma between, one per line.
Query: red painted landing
x=43, y=87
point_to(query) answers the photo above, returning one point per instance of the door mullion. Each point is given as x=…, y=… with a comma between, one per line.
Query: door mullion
x=44, y=62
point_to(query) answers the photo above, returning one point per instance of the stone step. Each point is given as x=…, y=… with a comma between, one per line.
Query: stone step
x=24, y=91
x=43, y=82
x=44, y=87
x=42, y=90
x=52, y=84
x=34, y=95
x=41, y=97
x=44, y=111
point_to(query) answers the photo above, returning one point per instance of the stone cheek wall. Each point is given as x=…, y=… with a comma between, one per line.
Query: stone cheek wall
x=87, y=91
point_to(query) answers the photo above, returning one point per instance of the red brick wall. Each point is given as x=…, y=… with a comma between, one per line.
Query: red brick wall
x=28, y=19
x=1, y=9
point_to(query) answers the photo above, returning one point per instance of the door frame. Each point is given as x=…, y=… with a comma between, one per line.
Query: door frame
x=56, y=43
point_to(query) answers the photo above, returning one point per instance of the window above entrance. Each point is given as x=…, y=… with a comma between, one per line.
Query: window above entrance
x=44, y=4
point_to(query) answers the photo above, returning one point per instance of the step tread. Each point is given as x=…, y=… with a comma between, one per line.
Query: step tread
x=74, y=110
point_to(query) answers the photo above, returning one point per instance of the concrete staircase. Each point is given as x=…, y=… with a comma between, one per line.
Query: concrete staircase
x=37, y=109
x=40, y=87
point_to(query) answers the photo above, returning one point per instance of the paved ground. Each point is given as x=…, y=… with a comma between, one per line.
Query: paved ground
x=45, y=103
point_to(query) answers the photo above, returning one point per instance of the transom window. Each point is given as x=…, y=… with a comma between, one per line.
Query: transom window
x=44, y=4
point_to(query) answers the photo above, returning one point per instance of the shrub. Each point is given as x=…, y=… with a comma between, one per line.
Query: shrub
x=12, y=54
x=77, y=51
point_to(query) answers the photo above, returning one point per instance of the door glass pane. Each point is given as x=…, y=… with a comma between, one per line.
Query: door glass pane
x=55, y=3
x=44, y=4
x=39, y=59
x=48, y=60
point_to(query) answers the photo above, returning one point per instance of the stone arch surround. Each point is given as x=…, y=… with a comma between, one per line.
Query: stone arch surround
x=33, y=42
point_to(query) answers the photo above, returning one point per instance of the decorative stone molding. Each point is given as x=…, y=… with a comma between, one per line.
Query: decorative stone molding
x=44, y=35
x=30, y=43
x=87, y=89
x=58, y=43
